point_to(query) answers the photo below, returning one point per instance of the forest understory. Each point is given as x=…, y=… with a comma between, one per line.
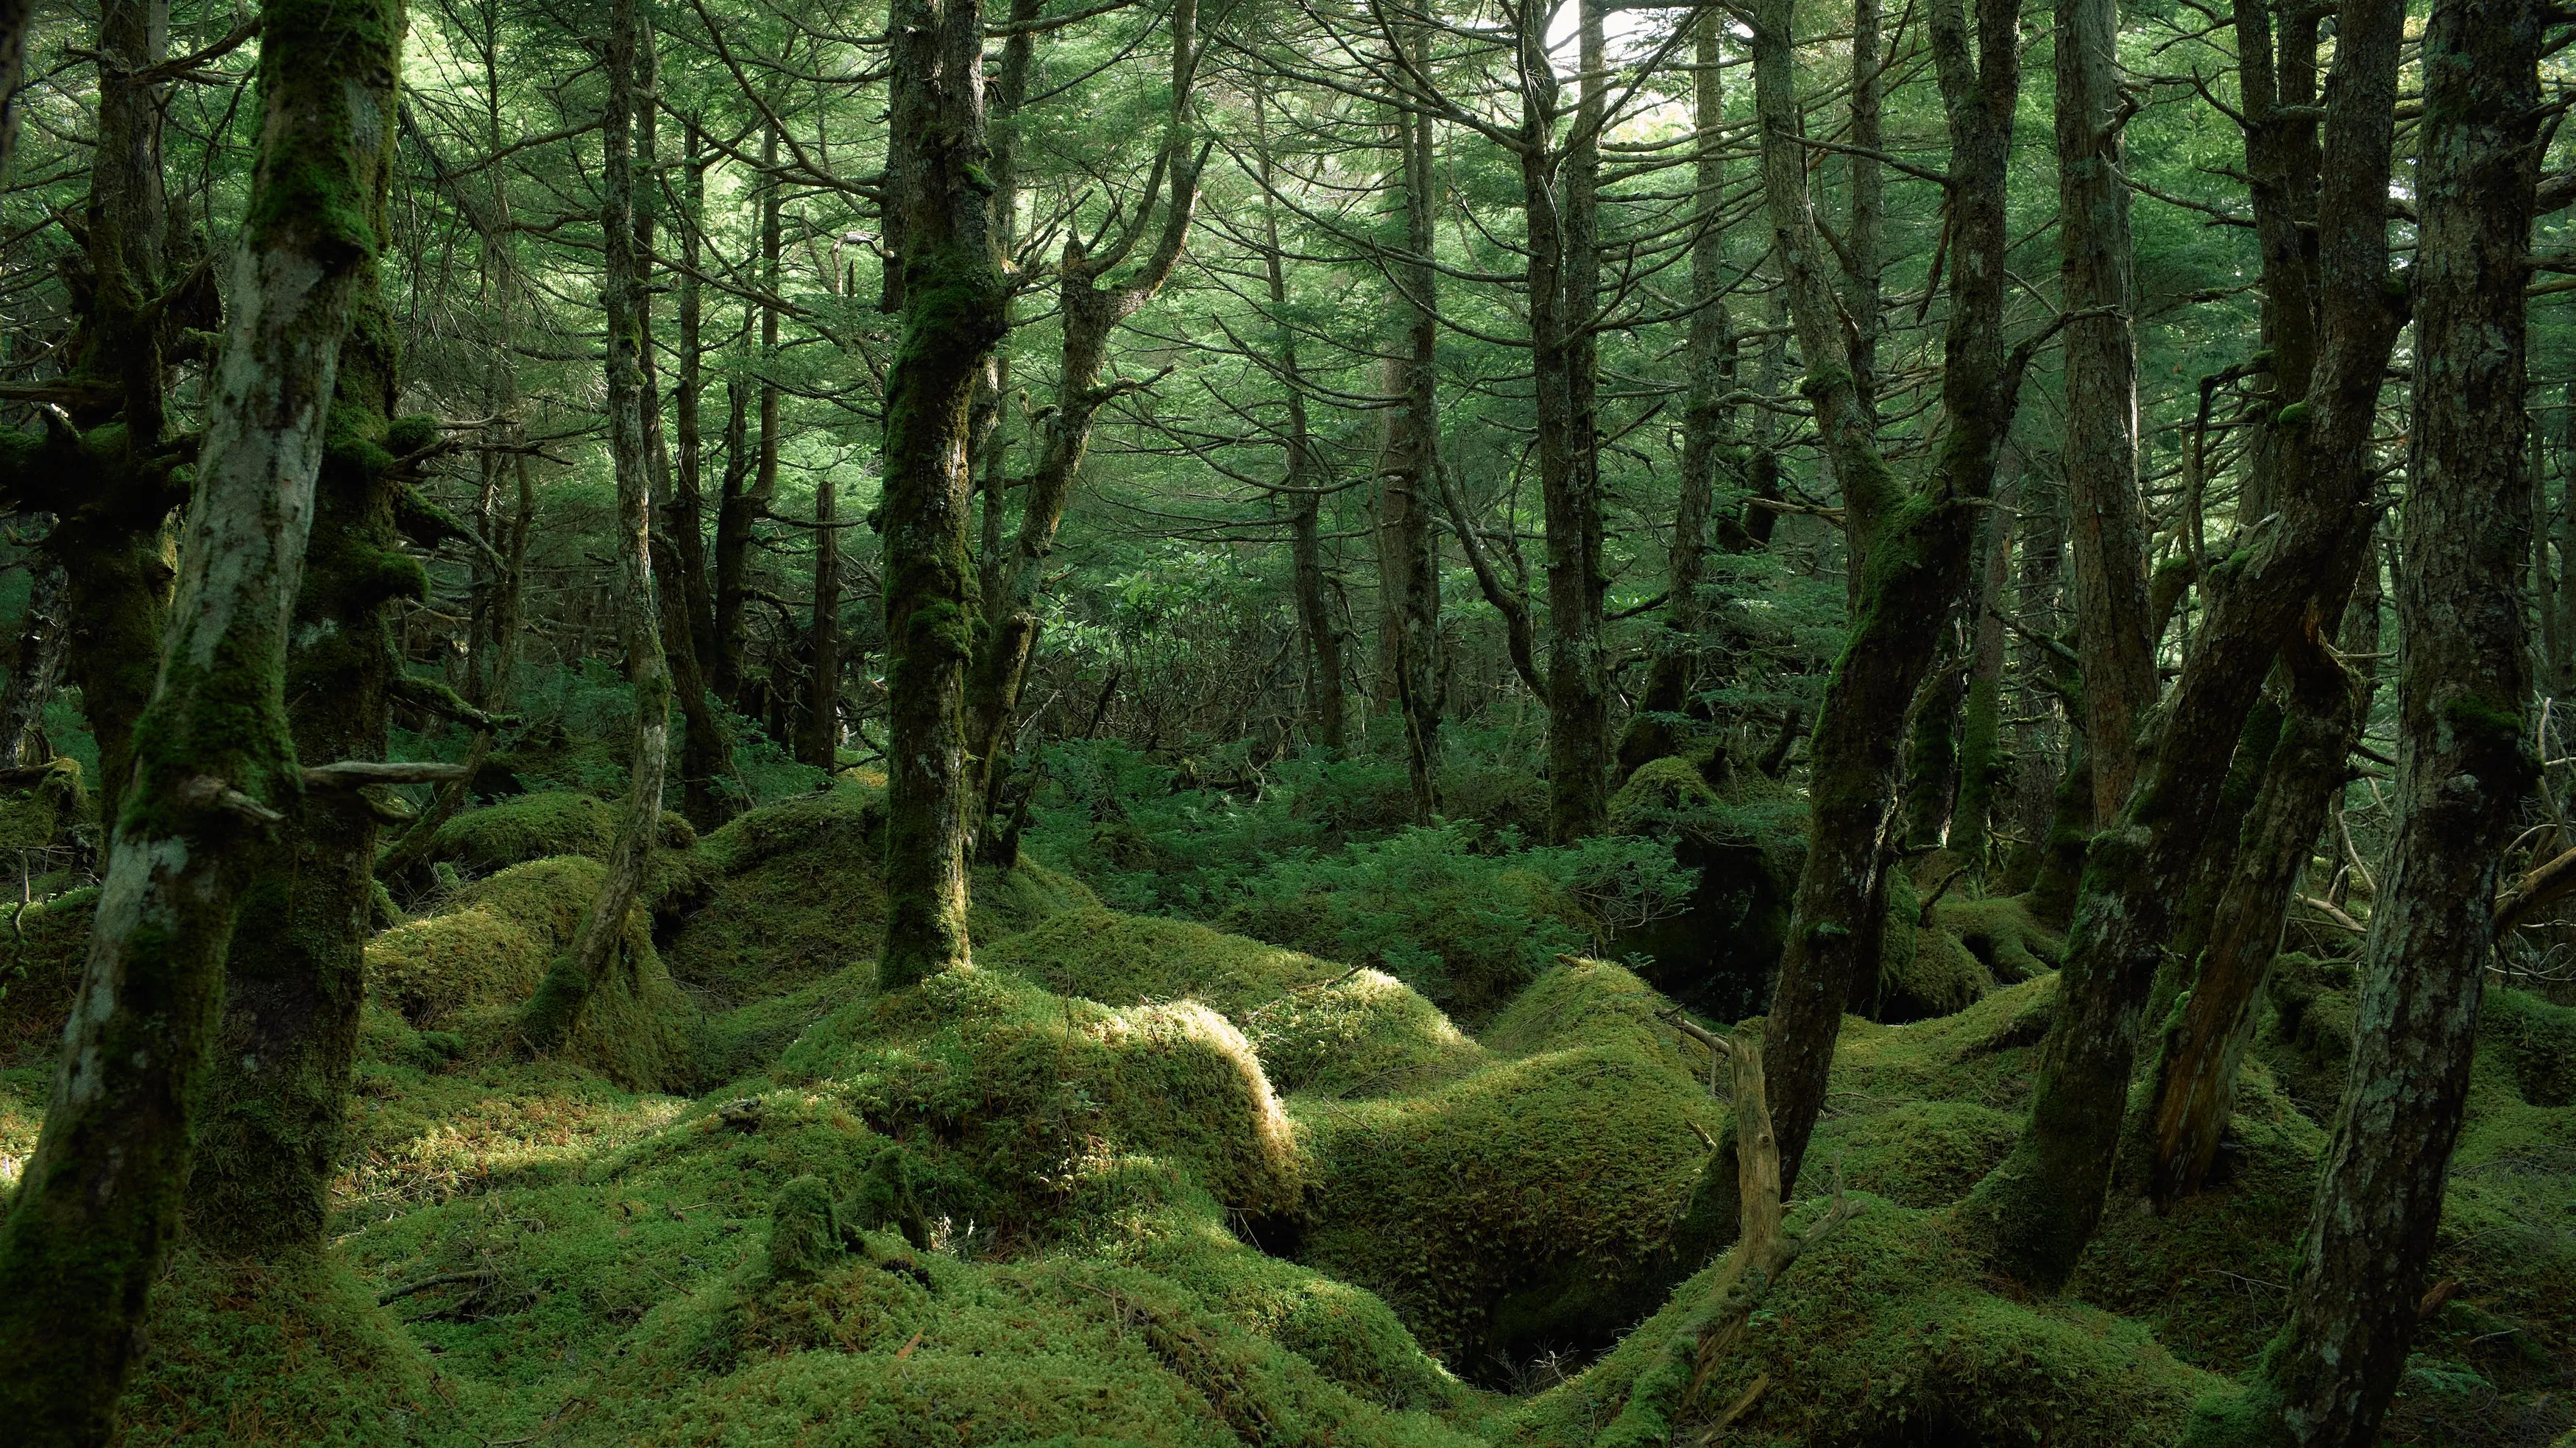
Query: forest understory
x=1531, y=723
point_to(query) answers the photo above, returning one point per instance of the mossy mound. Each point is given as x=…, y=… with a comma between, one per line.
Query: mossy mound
x=2306, y=1029
x=1316, y=1025
x=537, y=826
x=796, y=892
x=901, y=1348
x=42, y=814
x=1916, y=1154
x=42, y=955
x=1021, y=1086
x=1542, y=1200
x=295, y=1352
x=1885, y=1333
x=1743, y=832
x=469, y=968
x=1463, y=939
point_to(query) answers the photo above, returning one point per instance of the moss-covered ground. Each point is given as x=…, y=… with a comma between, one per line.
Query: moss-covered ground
x=1137, y=1179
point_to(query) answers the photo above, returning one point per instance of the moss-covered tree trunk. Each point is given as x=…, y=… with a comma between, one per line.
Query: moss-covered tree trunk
x=1917, y=548
x=215, y=763
x=2100, y=455
x=2034, y=1213
x=17, y=19
x=2464, y=759
x=1984, y=768
x=570, y=981
x=751, y=471
x=277, y=1090
x=952, y=297
x=1654, y=729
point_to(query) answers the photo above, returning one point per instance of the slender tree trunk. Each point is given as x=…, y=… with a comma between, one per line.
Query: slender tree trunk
x=952, y=296
x=740, y=508
x=822, y=732
x=42, y=641
x=1919, y=549
x=2464, y=761
x=1409, y=468
x=2112, y=633
x=1931, y=777
x=2034, y=1213
x=1865, y=241
x=1984, y=770
x=1092, y=309
x=1305, y=503
x=101, y=1194
x=556, y=1009
x=1563, y=276
x=17, y=19
x=2196, y=1079
x=1652, y=728
x=2038, y=748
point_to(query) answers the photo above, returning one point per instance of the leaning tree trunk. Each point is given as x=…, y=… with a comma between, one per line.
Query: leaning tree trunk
x=101, y=1195
x=1919, y=549
x=2464, y=760
x=952, y=296
x=2112, y=634
x=551, y=1015
x=2309, y=765
x=2034, y=1213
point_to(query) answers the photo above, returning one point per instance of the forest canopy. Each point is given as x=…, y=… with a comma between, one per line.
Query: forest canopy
x=1287, y=721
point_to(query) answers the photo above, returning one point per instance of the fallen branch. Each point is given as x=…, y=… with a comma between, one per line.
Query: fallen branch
x=359, y=773
x=2541, y=885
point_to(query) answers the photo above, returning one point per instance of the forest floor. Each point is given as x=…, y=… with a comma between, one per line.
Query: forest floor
x=1135, y=1179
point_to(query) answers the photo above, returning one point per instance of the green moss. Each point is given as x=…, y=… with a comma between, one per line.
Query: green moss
x=42, y=955
x=470, y=968
x=1885, y=1333
x=293, y=1352
x=540, y=826
x=1540, y=1199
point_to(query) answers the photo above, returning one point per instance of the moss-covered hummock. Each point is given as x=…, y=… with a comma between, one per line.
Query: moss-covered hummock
x=1740, y=830
x=43, y=950
x=469, y=968
x=1540, y=1201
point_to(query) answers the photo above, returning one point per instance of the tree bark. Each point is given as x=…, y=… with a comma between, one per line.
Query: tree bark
x=1653, y=730
x=101, y=1194
x=1983, y=767
x=2464, y=760
x=1919, y=548
x=1563, y=278
x=1408, y=468
x=2113, y=637
x=1092, y=310
x=17, y=20
x=551, y=1015
x=821, y=736
x=953, y=296
x=2034, y=1213
x=277, y=1088
x=751, y=477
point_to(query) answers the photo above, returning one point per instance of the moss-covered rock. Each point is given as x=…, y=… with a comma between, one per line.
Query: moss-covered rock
x=1744, y=833
x=469, y=968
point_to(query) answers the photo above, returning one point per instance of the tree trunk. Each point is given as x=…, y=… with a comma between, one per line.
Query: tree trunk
x=2196, y=1079
x=2039, y=748
x=1091, y=311
x=821, y=737
x=17, y=18
x=1653, y=729
x=1983, y=768
x=1563, y=276
x=1931, y=785
x=2112, y=634
x=552, y=1013
x=2034, y=1213
x=1865, y=241
x=2464, y=761
x=739, y=508
x=101, y=1194
x=277, y=1088
x=42, y=641
x=1919, y=548
x=952, y=293
x=1408, y=469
